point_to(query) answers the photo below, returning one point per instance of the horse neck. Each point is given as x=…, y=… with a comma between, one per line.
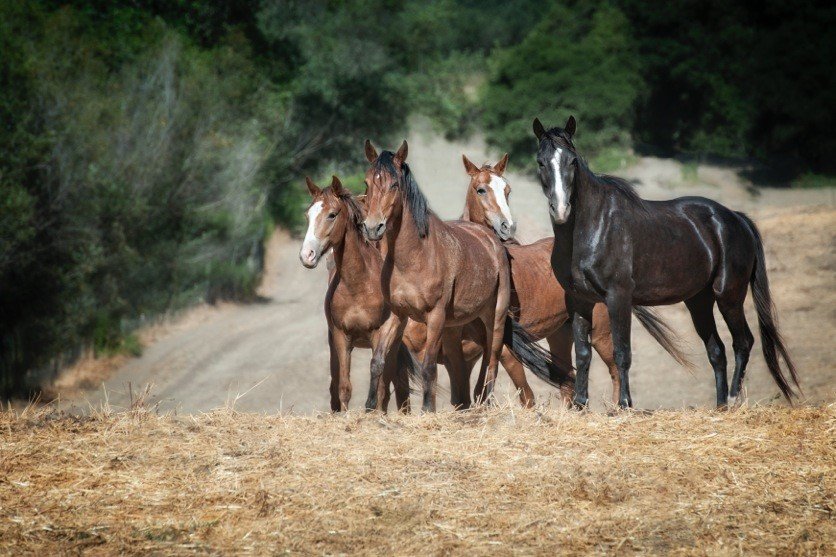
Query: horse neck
x=585, y=209
x=354, y=258
x=406, y=248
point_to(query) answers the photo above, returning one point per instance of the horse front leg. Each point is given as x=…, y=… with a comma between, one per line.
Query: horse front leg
x=341, y=352
x=619, y=307
x=389, y=335
x=429, y=368
x=581, y=324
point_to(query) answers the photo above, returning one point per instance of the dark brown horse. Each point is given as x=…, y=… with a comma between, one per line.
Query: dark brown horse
x=445, y=275
x=612, y=246
x=354, y=304
x=538, y=301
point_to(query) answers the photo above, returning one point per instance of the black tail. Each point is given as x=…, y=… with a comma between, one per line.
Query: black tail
x=408, y=370
x=535, y=357
x=663, y=334
x=772, y=343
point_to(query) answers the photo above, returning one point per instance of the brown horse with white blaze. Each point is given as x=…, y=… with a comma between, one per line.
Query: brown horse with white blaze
x=354, y=304
x=443, y=274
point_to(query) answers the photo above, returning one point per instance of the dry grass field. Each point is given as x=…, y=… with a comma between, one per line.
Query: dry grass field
x=758, y=480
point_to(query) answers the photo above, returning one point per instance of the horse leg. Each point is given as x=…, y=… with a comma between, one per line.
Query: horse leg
x=602, y=342
x=742, y=340
x=389, y=335
x=516, y=372
x=429, y=368
x=581, y=325
x=560, y=346
x=701, y=308
x=342, y=347
x=402, y=379
x=619, y=306
x=335, y=375
x=451, y=344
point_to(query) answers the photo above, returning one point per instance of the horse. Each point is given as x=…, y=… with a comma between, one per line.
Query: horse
x=443, y=274
x=354, y=305
x=538, y=301
x=614, y=247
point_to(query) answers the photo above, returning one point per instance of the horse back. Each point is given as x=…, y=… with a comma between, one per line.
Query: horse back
x=681, y=246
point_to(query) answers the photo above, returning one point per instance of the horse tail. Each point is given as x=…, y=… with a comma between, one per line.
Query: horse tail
x=663, y=334
x=772, y=343
x=536, y=358
x=409, y=370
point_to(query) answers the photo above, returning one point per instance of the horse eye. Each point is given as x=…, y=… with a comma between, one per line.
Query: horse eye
x=481, y=191
x=332, y=216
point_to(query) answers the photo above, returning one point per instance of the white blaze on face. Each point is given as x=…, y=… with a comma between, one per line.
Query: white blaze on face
x=498, y=186
x=311, y=242
x=559, y=190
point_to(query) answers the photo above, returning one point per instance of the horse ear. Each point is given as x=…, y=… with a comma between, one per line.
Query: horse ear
x=313, y=188
x=571, y=126
x=469, y=167
x=400, y=156
x=371, y=152
x=499, y=167
x=337, y=187
x=539, y=130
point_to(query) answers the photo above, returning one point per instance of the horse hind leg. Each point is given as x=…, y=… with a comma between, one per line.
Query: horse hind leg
x=701, y=308
x=560, y=346
x=516, y=372
x=602, y=342
x=451, y=344
x=742, y=341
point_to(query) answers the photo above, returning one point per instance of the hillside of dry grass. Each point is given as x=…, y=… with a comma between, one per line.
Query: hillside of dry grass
x=755, y=480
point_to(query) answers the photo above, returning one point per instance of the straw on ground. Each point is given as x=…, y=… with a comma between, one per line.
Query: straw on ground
x=502, y=480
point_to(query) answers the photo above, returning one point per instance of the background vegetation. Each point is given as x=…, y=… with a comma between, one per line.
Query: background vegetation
x=147, y=147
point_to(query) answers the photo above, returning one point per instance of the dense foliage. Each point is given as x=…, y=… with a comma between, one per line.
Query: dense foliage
x=147, y=146
x=733, y=79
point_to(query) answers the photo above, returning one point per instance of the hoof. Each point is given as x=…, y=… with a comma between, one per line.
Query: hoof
x=580, y=403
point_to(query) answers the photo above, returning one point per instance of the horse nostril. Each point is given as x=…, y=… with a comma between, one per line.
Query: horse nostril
x=379, y=229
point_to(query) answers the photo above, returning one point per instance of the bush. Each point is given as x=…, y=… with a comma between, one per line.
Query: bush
x=580, y=59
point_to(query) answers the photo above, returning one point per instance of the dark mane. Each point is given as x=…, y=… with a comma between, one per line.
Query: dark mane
x=355, y=214
x=617, y=185
x=412, y=197
x=621, y=187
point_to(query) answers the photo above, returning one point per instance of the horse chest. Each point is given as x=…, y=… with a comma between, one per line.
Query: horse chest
x=414, y=300
x=358, y=313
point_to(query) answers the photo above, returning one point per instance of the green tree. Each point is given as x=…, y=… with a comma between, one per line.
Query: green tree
x=580, y=59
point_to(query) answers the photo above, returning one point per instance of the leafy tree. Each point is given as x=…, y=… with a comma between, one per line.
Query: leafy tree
x=580, y=59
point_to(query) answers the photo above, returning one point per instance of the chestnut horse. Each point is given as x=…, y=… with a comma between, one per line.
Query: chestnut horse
x=538, y=301
x=354, y=304
x=613, y=246
x=443, y=274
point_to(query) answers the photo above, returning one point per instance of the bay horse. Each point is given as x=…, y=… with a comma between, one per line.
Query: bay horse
x=354, y=304
x=614, y=247
x=443, y=274
x=538, y=301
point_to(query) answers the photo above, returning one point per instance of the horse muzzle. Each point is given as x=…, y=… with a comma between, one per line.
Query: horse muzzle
x=309, y=257
x=560, y=213
x=373, y=230
x=505, y=229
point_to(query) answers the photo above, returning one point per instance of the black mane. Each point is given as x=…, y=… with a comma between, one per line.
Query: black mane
x=412, y=196
x=355, y=213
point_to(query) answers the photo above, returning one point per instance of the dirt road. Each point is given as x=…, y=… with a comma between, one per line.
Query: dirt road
x=273, y=356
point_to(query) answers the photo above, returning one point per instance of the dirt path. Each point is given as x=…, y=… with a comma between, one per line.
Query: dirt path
x=275, y=353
